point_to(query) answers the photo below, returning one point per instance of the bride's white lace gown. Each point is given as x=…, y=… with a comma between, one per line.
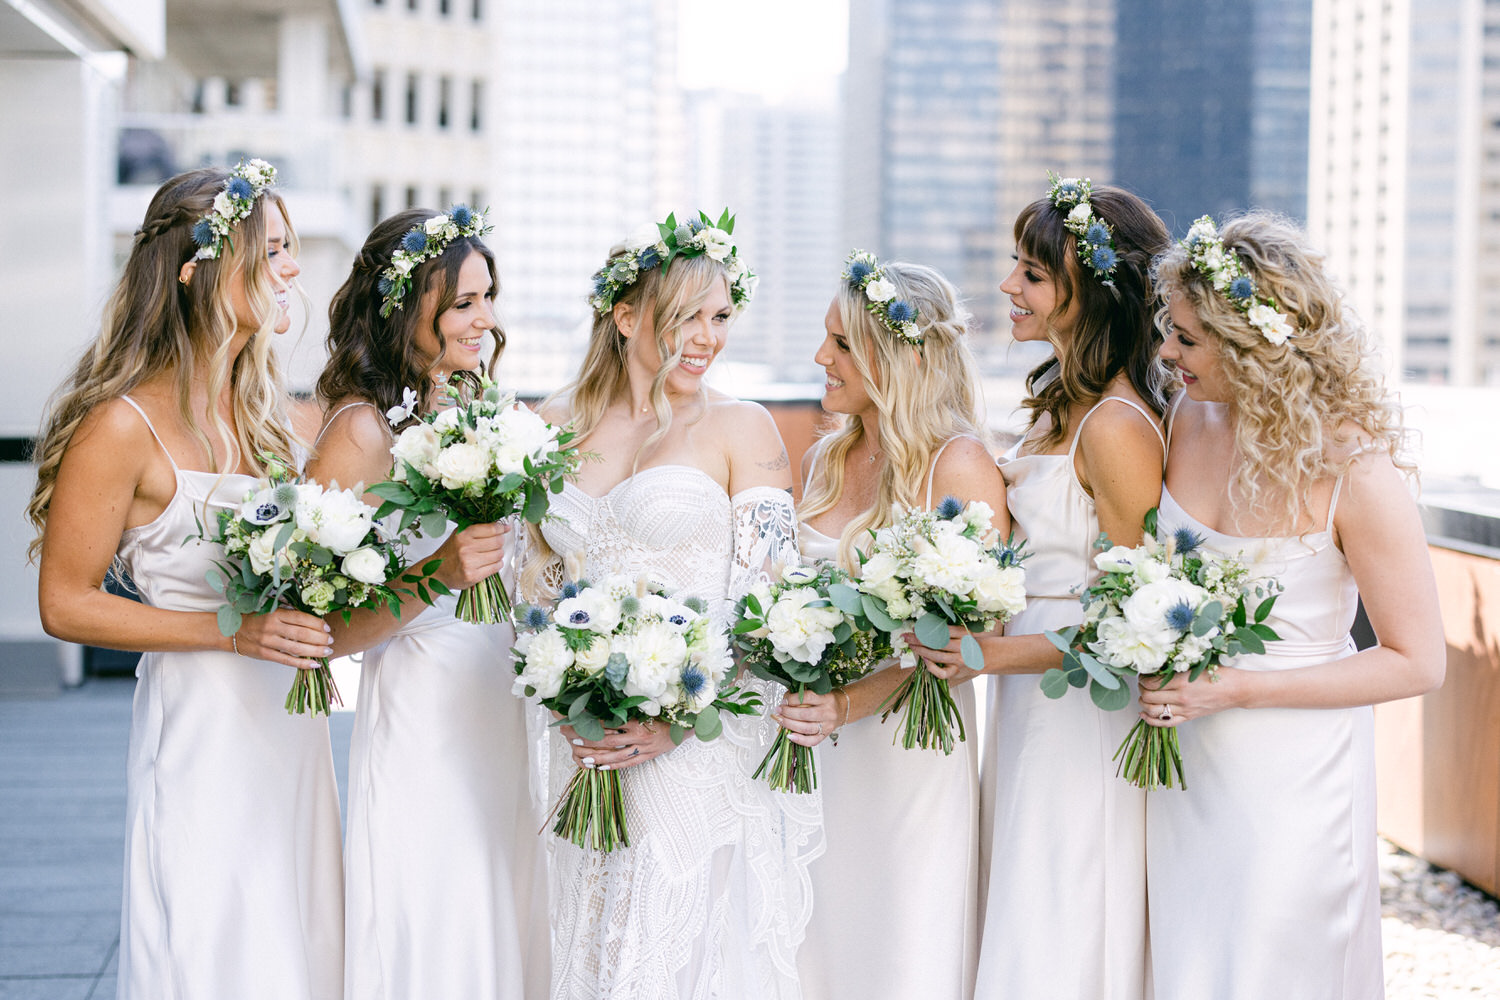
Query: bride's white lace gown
x=712, y=896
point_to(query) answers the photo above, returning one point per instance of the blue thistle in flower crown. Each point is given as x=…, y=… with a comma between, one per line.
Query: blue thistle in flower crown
x=649, y=258
x=238, y=187
x=414, y=241
x=901, y=311
x=1102, y=260
x=1241, y=287
x=203, y=233
x=1186, y=540
x=950, y=507
x=1098, y=234
x=383, y=286
x=461, y=215
x=1180, y=616
x=1094, y=238
x=684, y=233
x=859, y=270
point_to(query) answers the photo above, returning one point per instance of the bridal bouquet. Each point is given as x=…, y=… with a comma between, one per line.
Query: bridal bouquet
x=927, y=571
x=1167, y=606
x=485, y=458
x=809, y=631
x=319, y=550
x=613, y=652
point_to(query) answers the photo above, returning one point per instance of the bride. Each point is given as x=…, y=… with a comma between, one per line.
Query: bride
x=693, y=488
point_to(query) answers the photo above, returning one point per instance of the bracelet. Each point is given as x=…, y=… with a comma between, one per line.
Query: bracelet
x=234, y=641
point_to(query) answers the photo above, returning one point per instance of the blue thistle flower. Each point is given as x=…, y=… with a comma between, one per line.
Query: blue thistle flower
x=1069, y=191
x=1097, y=234
x=1180, y=616
x=683, y=233
x=601, y=283
x=649, y=258
x=859, y=271
x=697, y=226
x=1102, y=259
x=461, y=215
x=694, y=680
x=1187, y=540
x=630, y=605
x=240, y=189
x=414, y=241
x=901, y=311
x=285, y=496
x=1241, y=287
x=950, y=507
x=384, y=285
x=203, y=233
x=536, y=618
x=568, y=590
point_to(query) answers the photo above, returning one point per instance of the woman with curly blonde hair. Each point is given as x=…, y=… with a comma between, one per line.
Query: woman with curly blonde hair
x=891, y=918
x=233, y=883
x=1283, y=450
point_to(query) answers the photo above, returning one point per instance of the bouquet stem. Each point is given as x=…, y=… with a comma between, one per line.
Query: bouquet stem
x=485, y=603
x=591, y=812
x=791, y=766
x=313, y=691
x=929, y=714
x=1150, y=757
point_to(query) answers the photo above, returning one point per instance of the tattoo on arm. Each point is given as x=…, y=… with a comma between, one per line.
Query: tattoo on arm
x=778, y=463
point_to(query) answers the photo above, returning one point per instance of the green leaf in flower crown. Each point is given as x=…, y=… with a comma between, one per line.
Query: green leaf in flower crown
x=1208, y=616
x=973, y=655
x=708, y=724
x=229, y=620
x=845, y=598
x=1055, y=683
x=1110, y=699
x=932, y=631
x=1099, y=672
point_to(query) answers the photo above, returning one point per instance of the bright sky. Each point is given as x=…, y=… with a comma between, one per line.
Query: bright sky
x=768, y=47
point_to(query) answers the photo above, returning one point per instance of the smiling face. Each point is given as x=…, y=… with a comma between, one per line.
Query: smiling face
x=701, y=335
x=461, y=328
x=1034, y=295
x=844, y=389
x=1187, y=347
x=281, y=267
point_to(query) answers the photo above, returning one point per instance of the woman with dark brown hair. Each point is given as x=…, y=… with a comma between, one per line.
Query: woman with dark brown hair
x=444, y=896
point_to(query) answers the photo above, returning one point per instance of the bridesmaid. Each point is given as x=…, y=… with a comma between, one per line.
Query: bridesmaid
x=1063, y=839
x=445, y=896
x=892, y=917
x=1283, y=449
x=232, y=874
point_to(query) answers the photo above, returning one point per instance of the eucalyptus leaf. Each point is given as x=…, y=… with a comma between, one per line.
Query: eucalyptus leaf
x=708, y=725
x=1110, y=699
x=972, y=653
x=1099, y=672
x=1208, y=616
x=229, y=620
x=845, y=598
x=1054, y=683
x=932, y=631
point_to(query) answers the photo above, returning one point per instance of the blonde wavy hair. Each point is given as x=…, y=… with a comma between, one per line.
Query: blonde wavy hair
x=1292, y=402
x=670, y=299
x=925, y=396
x=154, y=325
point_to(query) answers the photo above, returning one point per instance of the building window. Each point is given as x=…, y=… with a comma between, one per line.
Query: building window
x=411, y=197
x=445, y=101
x=411, y=98
x=377, y=97
x=445, y=7
x=477, y=11
x=445, y=198
x=413, y=4
x=476, y=106
x=377, y=204
x=377, y=3
x=476, y=200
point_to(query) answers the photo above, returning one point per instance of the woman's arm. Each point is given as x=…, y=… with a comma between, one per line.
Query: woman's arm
x=355, y=449
x=114, y=475
x=1381, y=535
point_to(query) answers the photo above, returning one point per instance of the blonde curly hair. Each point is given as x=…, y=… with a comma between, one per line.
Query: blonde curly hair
x=1304, y=409
x=925, y=396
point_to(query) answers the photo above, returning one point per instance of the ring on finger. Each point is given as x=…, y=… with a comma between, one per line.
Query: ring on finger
x=1166, y=713
x=820, y=729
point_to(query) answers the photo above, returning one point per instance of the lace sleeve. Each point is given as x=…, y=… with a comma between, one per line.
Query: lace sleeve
x=765, y=536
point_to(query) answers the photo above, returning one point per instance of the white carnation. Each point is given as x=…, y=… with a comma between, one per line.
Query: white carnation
x=365, y=565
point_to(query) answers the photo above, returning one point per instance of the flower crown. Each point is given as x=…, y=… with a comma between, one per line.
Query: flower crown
x=233, y=203
x=1096, y=240
x=422, y=243
x=1221, y=266
x=667, y=240
x=864, y=274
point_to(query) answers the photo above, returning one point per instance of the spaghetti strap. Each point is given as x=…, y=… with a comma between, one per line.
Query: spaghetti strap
x=1078, y=433
x=152, y=428
x=932, y=469
x=1171, y=416
x=335, y=415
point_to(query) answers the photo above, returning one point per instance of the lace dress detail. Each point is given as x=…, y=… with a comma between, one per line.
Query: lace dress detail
x=713, y=896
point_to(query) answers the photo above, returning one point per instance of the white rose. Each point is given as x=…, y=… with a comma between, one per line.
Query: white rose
x=335, y=519
x=1120, y=559
x=263, y=555
x=593, y=659
x=880, y=290
x=879, y=568
x=591, y=609
x=365, y=565
x=417, y=446
x=1080, y=214
x=1002, y=592
x=715, y=242
x=223, y=204
x=446, y=420
x=462, y=464
x=656, y=654
x=1152, y=571
x=402, y=265
x=436, y=225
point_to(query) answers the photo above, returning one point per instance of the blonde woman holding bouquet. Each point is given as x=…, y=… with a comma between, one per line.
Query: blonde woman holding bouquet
x=1284, y=450
x=232, y=872
x=445, y=892
x=894, y=914
x=1063, y=839
x=691, y=489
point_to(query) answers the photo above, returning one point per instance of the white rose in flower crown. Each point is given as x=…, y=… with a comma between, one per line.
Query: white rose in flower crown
x=402, y=265
x=435, y=225
x=1080, y=214
x=264, y=557
x=365, y=565
x=335, y=519
x=1272, y=324
x=656, y=654
x=1119, y=559
x=591, y=609
x=880, y=290
x=462, y=464
x=223, y=204
x=798, y=631
x=418, y=446
x=715, y=242
x=593, y=659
